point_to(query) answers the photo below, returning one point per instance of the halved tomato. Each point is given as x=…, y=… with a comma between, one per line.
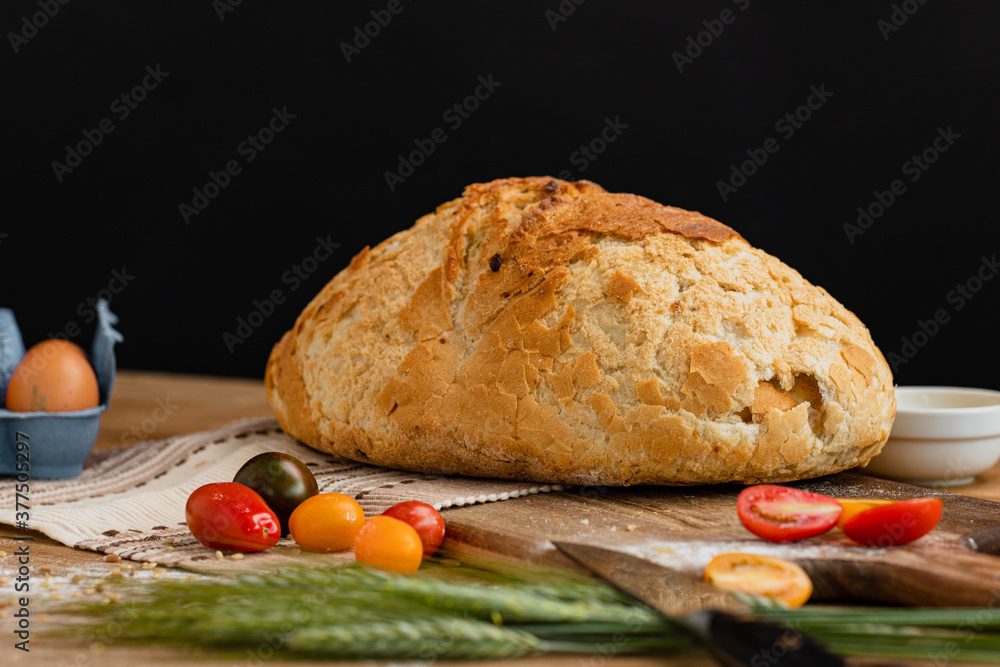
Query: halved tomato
x=895, y=523
x=853, y=506
x=755, y=574
x=783, y=514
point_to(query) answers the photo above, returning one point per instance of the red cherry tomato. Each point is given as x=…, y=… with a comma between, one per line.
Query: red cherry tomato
x=425, y=520
x=894, y=524
x=227, y=515
x=783, y=514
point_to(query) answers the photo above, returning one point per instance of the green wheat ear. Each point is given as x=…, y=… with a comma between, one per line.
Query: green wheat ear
x=471, y=613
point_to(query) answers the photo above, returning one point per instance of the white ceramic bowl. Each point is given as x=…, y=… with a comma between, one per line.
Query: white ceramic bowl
x=942, y=436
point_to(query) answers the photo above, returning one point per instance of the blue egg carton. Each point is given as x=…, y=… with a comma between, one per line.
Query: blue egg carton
x=56, y=443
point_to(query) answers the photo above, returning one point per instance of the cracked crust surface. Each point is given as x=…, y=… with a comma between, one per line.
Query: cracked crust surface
x=551, y=331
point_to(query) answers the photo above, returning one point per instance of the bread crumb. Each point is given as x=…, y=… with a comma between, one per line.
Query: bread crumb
x=585, y=521
x=55, y=596
x=116, y=575
x=236, y=556
x=167, y=540
x=556, y=516
x=666, y=550
x=218, y=555
x=45, y=569
x=112, y=558
x=157, y=574
x=614, y=529
x=77, y=594
x=631, y=527
x=77, y=578
x=147, y=566
x=90, y=591
x=169, y=548
x=3, y=554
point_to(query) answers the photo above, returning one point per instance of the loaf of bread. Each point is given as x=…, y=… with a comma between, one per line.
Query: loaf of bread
x=544, y=330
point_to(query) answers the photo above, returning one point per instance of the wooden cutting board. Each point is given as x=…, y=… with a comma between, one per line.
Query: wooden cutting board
x=684, y=527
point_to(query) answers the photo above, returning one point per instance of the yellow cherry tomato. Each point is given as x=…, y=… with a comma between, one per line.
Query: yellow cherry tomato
x=326, y=522
x=854, y=506
x=766, y=576
x=389, y=544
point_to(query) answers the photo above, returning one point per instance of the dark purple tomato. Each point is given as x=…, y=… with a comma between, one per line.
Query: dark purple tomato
x=281, y=480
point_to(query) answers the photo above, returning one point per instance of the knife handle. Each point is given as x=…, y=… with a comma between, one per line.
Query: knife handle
x=737, y=641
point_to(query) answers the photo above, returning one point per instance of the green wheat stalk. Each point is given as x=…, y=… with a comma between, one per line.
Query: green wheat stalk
x=461, y=613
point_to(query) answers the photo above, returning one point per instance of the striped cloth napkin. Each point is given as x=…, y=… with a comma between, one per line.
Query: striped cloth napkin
x=131, y=502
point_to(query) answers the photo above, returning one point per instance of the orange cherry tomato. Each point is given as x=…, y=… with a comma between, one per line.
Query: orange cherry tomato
x=425, y=520
x=894, y=524
x=389, y=544
x=766, y=576
x=854, y=506
x=326, y=522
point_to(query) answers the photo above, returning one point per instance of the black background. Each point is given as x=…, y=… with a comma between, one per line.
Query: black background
x=324, y=175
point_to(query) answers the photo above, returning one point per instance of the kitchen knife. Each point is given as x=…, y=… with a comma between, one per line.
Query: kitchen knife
x=720, y=621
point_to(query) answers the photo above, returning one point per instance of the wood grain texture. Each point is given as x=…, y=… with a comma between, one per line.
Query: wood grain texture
x=685, y=527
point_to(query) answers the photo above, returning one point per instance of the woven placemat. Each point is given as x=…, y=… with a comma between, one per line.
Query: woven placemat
x=131, y=502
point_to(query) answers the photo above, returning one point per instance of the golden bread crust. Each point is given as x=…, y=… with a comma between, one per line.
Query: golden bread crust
x=546, y=330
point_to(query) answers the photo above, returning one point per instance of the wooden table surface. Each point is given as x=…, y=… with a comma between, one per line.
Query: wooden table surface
x=146, y=405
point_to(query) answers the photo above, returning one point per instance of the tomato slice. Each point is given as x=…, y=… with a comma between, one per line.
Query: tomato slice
x=783, y=514
x=894, y=524
x=754, y=574
x=853, y=506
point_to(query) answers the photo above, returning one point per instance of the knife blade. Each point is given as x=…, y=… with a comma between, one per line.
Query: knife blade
x=720, y=621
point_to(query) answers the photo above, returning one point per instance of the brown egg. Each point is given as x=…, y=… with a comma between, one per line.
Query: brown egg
x=53, y=376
